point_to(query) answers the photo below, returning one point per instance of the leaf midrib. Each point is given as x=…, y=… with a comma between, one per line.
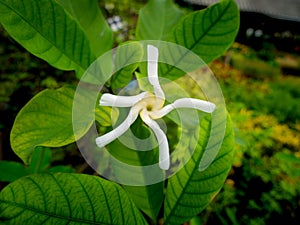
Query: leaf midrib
x=199, y=39
x=184, y=188
x=190, y=180
x=210, y=27
x=42, y=35
x=50, y=214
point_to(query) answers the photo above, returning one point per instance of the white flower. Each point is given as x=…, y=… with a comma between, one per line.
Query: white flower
x=150, y=107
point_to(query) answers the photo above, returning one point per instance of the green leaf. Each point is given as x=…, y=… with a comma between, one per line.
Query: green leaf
x=127, y=153
x=157, y=19
x=206, y=34
x=174, y=61
x=63, y=169
x=103, y=115
x=125, y=54
x=66, y=199
x=190, y=191
x=11, y=171
x=46, y=120
x=40, y=160
x=195, y=221
x=209, y=32
x=47, y=31
x=93, y=23
x=148, y=198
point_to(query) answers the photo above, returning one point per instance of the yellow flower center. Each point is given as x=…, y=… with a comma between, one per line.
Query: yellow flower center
x=151, y=102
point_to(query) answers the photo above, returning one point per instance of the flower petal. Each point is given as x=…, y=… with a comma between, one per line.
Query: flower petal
x=152, y=73
x=164, y=156
x=193, y=103
x=152, y=65
x=121, y=101
x=121, y=129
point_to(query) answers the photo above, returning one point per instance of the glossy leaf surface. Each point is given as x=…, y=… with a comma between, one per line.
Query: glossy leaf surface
x=66, y=199
x=47, y=31
x=157, y=20
x=46, y=120
x=93, y=23
x=209, y=32
x=190, y=191
x=148, y=198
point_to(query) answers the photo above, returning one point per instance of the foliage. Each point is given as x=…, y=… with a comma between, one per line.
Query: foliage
x=264, y=93
x=254, y=67
x=76, y=198
x=269, y=160
x=288, y=61
x=69, y=36
x=40, y=163
x=257, y=64
x=262, y=187
x=151, y=20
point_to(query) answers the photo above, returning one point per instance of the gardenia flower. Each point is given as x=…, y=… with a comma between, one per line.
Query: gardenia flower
x=150, y=106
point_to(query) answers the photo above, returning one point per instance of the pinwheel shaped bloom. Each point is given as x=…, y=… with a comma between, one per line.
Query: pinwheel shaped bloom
x=150, y=106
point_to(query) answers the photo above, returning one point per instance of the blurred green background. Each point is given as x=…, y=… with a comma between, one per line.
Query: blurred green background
x=260, y=79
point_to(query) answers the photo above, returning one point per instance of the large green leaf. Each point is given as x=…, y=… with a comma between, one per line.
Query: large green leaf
x=47, y=31
x=148, y=198
x=157, y=19
x=209, y=32
x=90, y=18
x=46, y=120
x=66, y=199
x=206, y=33
x=190, y=191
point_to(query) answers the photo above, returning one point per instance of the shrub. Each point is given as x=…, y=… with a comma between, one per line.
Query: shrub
x=263, y=185
x=255, y=67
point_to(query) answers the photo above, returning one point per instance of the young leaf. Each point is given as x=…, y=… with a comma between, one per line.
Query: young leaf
x=157, y=19
x=103, y=115
x=126, y=53
x=190, y=191
x=93, y=23
x=62, y=169
x=209, y=32
x=66, y=199
x=47, y=31
x=40, y=160
x=46, y=120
